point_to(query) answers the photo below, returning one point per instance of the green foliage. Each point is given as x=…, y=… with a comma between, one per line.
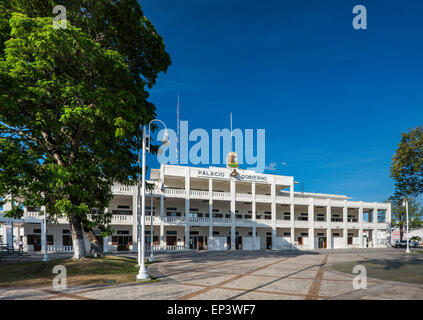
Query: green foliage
x=398, y=212
x=407, y=164
x=72, y=100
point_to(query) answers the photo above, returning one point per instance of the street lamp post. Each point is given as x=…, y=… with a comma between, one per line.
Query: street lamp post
x=151, y=259
x=142, y=274
x=44, y=225
x=405, y=203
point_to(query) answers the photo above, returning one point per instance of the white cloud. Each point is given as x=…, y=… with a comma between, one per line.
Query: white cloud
x=271, y=166
x=284, y=163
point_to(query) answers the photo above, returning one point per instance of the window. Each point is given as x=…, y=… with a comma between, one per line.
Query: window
x=304, y=234
x=228, y=216
x=169, y=233
x=66, y=239
x=215, y=210
x=50, y=240
x=122, y=232
x=238, y=216
x=287, y=216
x=336, y=234
x=216, y=233
x=217, y=215
x=173, y=214
x=268, y=233
x=36, y=231
x=122, y=212
x=123, y=207
x=287, y=234
x=193, y=209
x=193, y=232
x=247, y=216
x=320, y=234
x=320, y=217
x=65, y=231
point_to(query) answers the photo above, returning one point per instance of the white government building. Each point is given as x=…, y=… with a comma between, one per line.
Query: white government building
x=208, y=209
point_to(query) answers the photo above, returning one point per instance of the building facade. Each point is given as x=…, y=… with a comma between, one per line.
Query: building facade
x=193, y=208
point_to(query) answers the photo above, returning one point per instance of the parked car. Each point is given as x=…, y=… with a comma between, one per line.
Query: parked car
x=403, y=244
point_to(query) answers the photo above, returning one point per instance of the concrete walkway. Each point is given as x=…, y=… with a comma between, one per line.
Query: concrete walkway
x=244, y=275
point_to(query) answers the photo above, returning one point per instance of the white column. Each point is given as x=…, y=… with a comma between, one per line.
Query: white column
x=253, y=214
x=135, y=220
x=162, y=232
x=254, y=239
x=273, y=211
x=210, y=210
x=360, y=222
x=388, y=221
x=233, y=208
x=292, y=213
x=374, y=228
x=9, y=234
x=345, y=219
x=311, y=223
x=186, y=236
x=187, y=205
x=253, y=204
x=328, y=222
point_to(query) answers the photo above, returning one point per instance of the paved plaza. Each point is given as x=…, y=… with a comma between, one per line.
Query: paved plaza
x=279, y=275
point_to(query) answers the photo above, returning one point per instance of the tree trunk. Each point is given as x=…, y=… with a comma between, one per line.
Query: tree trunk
x=401, y=234
x=95, y=245
x=77, y=238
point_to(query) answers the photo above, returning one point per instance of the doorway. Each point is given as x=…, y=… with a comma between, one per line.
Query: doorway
x=193, y=242
x=171, y=240
x=269, y=242
x=321, y=242
x=123, y=243
x=238, y=243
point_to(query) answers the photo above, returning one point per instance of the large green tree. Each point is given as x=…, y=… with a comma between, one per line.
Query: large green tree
x=71, y=103
x=407, y=163
x=415, y=213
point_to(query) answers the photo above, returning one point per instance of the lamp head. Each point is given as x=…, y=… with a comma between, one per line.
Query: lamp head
x=165, y=139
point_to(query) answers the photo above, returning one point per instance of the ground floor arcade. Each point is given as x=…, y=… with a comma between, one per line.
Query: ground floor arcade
x=185, y=237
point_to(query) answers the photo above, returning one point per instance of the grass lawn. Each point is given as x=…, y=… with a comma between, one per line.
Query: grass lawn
x=88, y=271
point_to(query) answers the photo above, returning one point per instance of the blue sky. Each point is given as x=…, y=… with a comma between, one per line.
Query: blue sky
x=333, y=100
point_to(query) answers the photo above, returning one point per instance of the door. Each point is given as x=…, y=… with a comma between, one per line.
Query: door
x=200, y=243
x=123, y=243
x=269, y=243
x=300, y=241
x=171, y=240
x=193, y=242
x=322, y=244
x=350, y=240
x=238, y=243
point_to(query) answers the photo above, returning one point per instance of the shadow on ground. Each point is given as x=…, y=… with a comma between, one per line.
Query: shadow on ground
x=405, y=269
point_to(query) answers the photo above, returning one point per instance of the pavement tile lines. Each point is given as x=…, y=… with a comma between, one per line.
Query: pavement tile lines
x=313, y=292
x=191, y=295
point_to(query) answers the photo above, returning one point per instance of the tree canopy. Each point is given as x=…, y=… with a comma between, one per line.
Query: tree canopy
x=71, y=103
x=407, y=163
